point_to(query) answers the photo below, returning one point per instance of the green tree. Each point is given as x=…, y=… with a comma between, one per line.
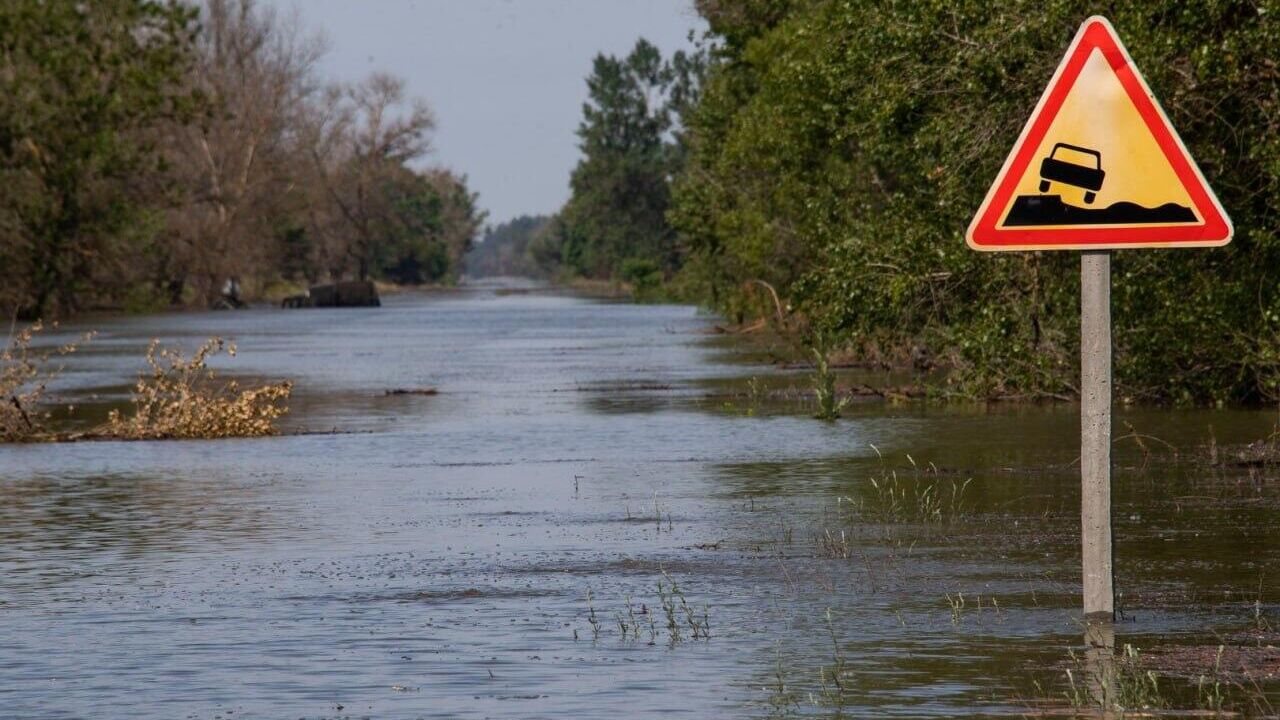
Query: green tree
x=840, y=148
x=83, y=87
x=620, y=188
x=428, y=228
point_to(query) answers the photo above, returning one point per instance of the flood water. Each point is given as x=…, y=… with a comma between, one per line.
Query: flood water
x=472, y=554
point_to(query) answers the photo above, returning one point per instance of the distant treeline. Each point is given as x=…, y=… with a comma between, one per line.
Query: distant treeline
x=504, y=249
x=837, y=149
x=152, y=150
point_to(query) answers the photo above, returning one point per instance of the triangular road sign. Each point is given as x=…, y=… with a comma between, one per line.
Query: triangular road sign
x=1098, y=165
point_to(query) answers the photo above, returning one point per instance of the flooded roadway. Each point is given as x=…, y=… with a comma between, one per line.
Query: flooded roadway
x=433, y=556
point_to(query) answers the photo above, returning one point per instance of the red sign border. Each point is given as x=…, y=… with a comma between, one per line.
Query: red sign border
x=1097, y=33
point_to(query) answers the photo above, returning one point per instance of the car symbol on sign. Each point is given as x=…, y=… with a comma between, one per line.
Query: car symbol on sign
x=1087, y=177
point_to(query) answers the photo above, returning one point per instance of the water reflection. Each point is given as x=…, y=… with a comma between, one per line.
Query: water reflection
x=1100, y=662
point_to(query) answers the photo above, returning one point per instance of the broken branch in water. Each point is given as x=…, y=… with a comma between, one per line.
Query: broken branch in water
x=413, y=391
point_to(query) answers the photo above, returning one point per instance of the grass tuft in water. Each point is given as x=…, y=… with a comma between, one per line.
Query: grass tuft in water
x=831, y=545
x=957, y=604
x=919, y=498
x=681, y=618
x=782, y=699
x=1126, y=685
x=831, y=679
x=592, y=619
x=1120, y=684
x=830, y=404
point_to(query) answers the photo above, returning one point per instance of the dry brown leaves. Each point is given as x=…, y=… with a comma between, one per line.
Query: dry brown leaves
x=180, y=397
x=24, y=375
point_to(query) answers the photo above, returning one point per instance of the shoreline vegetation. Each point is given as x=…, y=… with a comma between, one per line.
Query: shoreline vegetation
x=194, y=154
x=198, y=153
x=699, y=182
x=834, y=151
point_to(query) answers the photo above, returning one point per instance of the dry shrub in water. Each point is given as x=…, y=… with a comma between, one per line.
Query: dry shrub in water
x=24, y=375
x=181, y=398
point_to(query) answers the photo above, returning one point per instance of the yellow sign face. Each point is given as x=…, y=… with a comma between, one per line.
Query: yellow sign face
x=1098, y=166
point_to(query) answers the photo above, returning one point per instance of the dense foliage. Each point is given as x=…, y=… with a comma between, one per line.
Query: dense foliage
x=425, y=229
x=151, y=150
x=81, y=84
x=840, y=148
x=616, y=216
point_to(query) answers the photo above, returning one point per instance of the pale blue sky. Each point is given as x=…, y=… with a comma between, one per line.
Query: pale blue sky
x=505, y=77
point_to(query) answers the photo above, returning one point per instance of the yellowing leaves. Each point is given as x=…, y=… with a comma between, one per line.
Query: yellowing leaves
x=179, y=397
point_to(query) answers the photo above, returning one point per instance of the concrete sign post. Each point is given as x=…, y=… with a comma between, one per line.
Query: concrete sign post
x=1095, y=432
x=1098, y=167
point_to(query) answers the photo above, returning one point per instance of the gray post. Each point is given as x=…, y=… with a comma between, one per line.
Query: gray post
x=1095, y=433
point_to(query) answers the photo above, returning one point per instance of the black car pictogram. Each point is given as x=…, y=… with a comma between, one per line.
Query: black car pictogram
x=1078, y=175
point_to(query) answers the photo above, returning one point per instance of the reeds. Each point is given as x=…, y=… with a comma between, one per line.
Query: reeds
x=679, y=618
x=592, y=619
x=830, y=404
x=957, y=604
x=1119, y=684
x=1125, y=684
x=783, y=699
x=831, y=679
x=836, y=547
x=919, y=499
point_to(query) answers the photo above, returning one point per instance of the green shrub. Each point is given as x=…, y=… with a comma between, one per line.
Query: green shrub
x=841, y=147
x=643, y=275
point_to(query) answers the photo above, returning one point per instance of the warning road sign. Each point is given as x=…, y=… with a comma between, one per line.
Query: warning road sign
x=1098, y=166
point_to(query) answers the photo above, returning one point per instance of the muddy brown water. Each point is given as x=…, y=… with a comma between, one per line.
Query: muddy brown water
x=434, y=557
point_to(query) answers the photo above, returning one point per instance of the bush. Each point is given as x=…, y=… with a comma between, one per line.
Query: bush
x=643, y=275
x=841, y=147
x=182, y=398
x=24, y=375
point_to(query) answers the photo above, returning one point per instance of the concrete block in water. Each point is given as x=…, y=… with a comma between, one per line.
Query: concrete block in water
x=351, y=293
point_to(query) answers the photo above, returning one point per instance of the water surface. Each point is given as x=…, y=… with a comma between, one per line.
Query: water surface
x=431, y=556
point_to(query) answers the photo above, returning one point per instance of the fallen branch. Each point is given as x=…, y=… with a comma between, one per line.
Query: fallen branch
x=413, y=391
